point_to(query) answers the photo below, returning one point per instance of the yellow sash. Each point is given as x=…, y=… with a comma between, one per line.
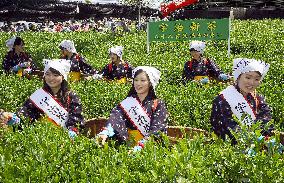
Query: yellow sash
x=121, y=81
x=198, y=78
x=20, y=72
x=46, y=119
x=135, y=135
x=75, y=76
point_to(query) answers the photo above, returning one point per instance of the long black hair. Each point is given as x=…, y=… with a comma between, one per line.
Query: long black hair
x=63, y=92
x=133, y=92
x=19, y=41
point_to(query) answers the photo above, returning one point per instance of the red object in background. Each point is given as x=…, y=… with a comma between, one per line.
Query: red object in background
x=166, y=9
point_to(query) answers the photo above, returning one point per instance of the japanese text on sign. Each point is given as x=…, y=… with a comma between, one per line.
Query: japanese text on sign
x=183, y=30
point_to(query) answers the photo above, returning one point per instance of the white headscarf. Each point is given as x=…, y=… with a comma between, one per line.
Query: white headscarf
x=118, y=50
x=198, y=46
x=51, y=23
x=153, y=74
x=10, y=43
x=68, y=45
x=243, y=65
x=61, y=65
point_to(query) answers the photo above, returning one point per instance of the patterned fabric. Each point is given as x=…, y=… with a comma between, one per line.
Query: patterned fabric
x=111, y=71
x=195, y=68
x=222, y=116
x=243, y=65
x=79, y=64
x=12, y=59
x=120, y=123
x=74, y=109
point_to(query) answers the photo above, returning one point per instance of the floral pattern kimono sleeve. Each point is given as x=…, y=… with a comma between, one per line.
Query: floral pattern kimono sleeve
x=30, y=111
x=187, y=73
x=213, y=69
x=7, y=64
x=118, y=122
x=75, y=118
x=85, y=67
x=222, y=117
x=159, y=118
x=11, y=59
x=129, y=70
x=264, y=115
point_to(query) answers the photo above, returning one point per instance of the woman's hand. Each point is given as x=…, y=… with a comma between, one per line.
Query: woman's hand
x=25, y=64
x=27, y=71
x=101, y=139
x=4, y=118
x=8, y=118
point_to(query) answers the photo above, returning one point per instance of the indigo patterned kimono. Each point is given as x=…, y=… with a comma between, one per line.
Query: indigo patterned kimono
x=121, y=123
x=194, y=68
x=111, y=71
x=74, y=109
x=79, y=64
x=222, y=116
x=12, y=59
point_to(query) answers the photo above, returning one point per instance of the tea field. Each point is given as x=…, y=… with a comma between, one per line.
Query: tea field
x=41, y=153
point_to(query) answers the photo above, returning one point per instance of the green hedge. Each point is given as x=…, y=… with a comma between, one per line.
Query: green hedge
x=44, y=153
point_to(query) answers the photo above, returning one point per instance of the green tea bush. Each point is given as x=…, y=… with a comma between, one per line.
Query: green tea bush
x=44, y=153
x=188, y=105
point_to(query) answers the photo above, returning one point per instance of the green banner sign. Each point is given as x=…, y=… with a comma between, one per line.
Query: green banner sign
x=184, y=30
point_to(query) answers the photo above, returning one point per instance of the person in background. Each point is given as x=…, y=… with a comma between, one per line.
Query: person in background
x=199, y=68
x=118, y=69
x=17, y=61
x=240, y=99
x=141, y=114
x=79, y=65
x=53, y=102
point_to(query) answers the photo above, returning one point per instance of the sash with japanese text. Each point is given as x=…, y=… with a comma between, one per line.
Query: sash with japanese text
x=239, y=105
x=45, y=102
x=136, y=114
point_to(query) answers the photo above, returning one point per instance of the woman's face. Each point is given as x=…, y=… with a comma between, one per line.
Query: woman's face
x=195, y=55
x=64, y=52
x=142, y=83
x=249, y=81
x=53, y=80
x=19, y=48
x=114, y=58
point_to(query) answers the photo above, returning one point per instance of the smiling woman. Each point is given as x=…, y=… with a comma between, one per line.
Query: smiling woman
x=241, y=99
x=79, y=65
x=199, y=68
x=249, y=81
x=53, y=79
x=54, y=101
x=141, y=114
x=17, y=60
x=118, y=69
